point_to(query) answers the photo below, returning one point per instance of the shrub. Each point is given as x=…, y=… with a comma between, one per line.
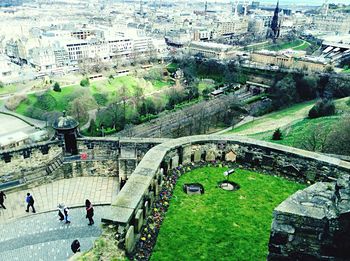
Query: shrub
x=100, y=98
x=85, y=82
x=277, y=135
x=322, y=108
x=57, y=87
x=2, y=85
x=46, y=102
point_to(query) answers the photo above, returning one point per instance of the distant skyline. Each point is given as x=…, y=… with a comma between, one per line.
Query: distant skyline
x=290, y=2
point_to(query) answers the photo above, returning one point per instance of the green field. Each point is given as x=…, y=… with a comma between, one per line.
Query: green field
x=291, y=113
x=288, y=45
x=295, y=129
x=110, y=89
x=221, y=225
x=8, y=89
x=302, y=47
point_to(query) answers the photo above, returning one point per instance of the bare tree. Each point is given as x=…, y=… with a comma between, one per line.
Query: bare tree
x=316, y=139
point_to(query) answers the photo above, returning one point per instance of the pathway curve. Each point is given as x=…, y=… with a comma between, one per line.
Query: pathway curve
x=72, y=192
x=43, y=237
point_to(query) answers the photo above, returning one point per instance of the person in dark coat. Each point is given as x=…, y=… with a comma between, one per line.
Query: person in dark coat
x=89, y=212
x=75, y=246
x=2, y=196
x=30, y=202
x=60, y=208
x=66, y=217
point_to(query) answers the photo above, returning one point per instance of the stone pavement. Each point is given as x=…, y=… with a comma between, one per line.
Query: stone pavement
x=72, y=192
x=43, y=237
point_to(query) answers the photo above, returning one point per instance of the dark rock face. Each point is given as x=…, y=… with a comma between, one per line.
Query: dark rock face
x=313, y=224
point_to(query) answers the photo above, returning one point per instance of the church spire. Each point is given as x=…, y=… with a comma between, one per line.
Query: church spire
x=275, y=25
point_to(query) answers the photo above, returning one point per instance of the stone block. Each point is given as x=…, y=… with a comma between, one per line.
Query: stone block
x=130, y=240
x=139, y=220
x=197, y=156
x=175, y=161
x=231, y=156
x=210, y=156
x=310, y=175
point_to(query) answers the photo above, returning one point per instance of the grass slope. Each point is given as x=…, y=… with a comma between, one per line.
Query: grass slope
x=295, y=133
x=275, y=120
x=221, y=225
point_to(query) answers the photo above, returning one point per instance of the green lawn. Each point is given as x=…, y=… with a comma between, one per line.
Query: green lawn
x=282, y=46
x=302, y=47
x=221, y=225
x=8, y=89
x=278, y=115
x=295, y=134
x=110, y=89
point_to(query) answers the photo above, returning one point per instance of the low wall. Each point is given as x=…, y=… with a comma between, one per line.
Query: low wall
x=42, y=162
x=313, y=224
x=134, y=201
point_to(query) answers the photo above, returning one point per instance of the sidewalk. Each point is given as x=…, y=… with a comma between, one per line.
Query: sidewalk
x=72, y=192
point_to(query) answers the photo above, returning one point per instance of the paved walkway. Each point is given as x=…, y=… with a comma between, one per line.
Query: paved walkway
x=72, y=192
x=44, y=237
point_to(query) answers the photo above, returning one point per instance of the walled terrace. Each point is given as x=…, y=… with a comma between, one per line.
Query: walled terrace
x=42, y=162
x=313, y=223
x=133, y=204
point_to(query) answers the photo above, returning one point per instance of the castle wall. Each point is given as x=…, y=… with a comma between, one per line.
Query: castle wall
x=43, y=162
x=144, y=184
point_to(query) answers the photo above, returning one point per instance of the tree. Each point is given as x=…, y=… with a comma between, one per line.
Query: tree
x=78, y=110
x=277, y=135
x=57, y=87
x=322, y=108
x=92, y=130
x=339, y=138
x=2, y=85
x=306, y=86
x=284, y=93
x=316, y=139
x=85, y=82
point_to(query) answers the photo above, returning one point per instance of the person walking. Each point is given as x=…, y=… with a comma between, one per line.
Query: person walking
x=89, y=212
x=60, y=208
x=66, y=217
x=30, y=202
x=2, y=196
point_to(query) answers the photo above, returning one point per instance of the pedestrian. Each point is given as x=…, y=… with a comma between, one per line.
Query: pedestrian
x=66, y=217
x=89, y=212
x=2, y=196
x=60, y=208
x=75, y=246
x=30, y=202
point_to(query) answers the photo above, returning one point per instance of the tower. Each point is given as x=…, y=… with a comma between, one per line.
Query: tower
x=235, y=7
x=206, y=7
x=245, y=6
x=274, y=31
x=325, y=7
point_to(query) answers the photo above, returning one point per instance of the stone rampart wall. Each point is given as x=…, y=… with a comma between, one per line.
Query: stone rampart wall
x=134, y=201
x=42, y=162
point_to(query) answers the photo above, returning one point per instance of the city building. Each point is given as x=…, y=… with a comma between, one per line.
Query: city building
x=212, y=50
x=289, y=59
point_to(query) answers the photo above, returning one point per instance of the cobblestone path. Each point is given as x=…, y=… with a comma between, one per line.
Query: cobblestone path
x=72, y=192
x=43, y=237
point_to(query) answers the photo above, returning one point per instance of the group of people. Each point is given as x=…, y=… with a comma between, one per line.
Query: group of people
x=63, y=210
x=63, y=213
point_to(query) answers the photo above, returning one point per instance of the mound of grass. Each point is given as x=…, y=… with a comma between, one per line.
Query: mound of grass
x=221, y=225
